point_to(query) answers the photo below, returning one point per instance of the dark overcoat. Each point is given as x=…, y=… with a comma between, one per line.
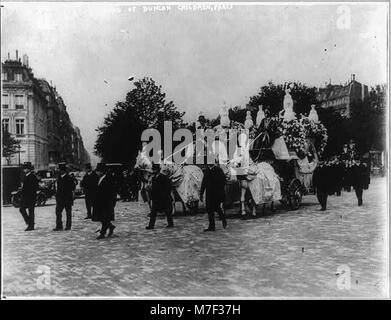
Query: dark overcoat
x=65, y=188
x=213, y=184
x=323, y=179
x=360, y=176
x=161, y=193
x=104, y=202
x=29, y=191
x=89, y=183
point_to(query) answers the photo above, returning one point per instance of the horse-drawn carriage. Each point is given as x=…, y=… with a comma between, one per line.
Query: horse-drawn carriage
x=273, y=160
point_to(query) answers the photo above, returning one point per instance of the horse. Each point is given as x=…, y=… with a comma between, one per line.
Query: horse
x=258, y=182
x=186, y=180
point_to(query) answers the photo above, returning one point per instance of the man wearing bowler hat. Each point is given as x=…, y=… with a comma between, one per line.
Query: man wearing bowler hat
x=161, y=197
x=89, y=183
x=28, y=195
x=104, y=202
x=64, y=197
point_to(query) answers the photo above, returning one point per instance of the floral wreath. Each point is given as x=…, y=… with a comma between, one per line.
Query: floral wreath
x=295, y=136
x=316, y=131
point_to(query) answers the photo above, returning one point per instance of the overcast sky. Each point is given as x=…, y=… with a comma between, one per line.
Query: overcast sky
x=201, y=58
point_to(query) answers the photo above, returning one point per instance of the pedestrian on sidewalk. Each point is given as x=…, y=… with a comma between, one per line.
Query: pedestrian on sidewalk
x=28, y=195
x=322, y=182
x=213, y=184
x=105, y=199
x=89, y=183
x=161, y=197
x=64, y=197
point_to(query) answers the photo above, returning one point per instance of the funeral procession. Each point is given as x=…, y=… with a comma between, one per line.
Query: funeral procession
x=158, y=162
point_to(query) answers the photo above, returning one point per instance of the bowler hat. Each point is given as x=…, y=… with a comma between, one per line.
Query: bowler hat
x=62, y=166
x=101, y=166
x=28, y=165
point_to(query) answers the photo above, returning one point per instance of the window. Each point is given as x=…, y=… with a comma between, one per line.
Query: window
x=19, y=126
x=5, y=101
x=6, y=125
x=18, y=77
x=19, y=101
x=4, y=76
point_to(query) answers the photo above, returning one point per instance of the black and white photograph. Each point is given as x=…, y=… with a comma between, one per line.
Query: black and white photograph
x=195, y=150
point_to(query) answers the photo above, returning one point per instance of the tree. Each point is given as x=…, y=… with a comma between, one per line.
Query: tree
x=337, y=130
x=237, y=114
x=368, y=125
x=272, y=96
x=10, y=145
x=144, y=107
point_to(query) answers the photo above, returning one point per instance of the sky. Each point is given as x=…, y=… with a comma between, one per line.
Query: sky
x=201, y=58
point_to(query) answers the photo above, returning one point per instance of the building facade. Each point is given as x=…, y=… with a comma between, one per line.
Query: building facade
x=35, y=114
x=341, y=97
x=24, y=112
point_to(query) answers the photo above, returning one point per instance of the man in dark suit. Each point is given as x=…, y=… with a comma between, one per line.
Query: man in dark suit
x=89, y=183
x=361, y=177
x=213, y=183
x=28, y=196
x=323, y=182
x=104, y=202
x=161, y=197
x=64, y=197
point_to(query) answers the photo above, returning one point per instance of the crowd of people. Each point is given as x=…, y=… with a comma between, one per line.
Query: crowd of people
x=344, y=172
x=331, y=176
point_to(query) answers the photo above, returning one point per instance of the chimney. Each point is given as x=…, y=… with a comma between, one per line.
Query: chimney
x=17, y=56
x=25, y=60
x=353, y=77
x=9, y=58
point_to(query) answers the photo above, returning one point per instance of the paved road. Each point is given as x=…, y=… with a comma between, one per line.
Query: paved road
x=303, y=253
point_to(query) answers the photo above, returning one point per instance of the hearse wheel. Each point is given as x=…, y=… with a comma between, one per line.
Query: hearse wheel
x=295, y=194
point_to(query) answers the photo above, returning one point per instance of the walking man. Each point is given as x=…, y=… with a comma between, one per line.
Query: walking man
x=89, y=183
x=361, y=178
x=104, y=202
x=161, y=197
x=28, y=196
x=322, y=182
x=64, y=197
x=213, y=184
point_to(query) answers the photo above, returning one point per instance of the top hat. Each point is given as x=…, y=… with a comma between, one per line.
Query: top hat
x=266, y=154
x=155, y=166
x=62, y=166
x=28, y=165
x=88, y=166
x=101, y=166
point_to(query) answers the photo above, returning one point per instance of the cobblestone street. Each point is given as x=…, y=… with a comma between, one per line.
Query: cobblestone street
x=289, y=253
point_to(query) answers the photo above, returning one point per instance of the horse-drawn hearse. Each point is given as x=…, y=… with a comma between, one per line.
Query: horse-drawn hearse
x=273, y=160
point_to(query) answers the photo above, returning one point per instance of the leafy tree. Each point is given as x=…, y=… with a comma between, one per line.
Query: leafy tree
x=237, y=114
x=144, y=107
x=337, y=130
x=368, y=125
x=272, y=96
x=10, y=145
